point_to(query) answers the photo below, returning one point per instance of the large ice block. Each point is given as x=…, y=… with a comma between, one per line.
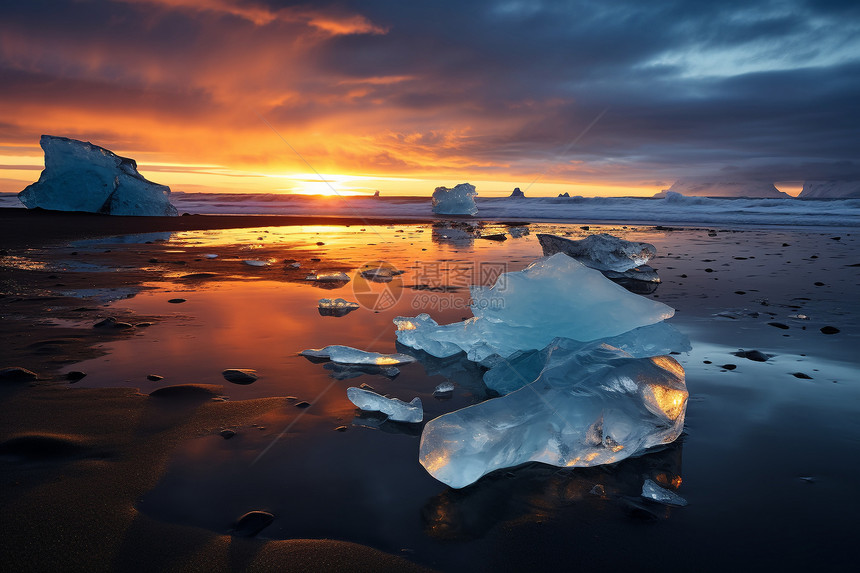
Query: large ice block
x=555, y=296
x=457, y=201
x=396, y=410
x=585, y=409
x=80, y=176
x=602, y=251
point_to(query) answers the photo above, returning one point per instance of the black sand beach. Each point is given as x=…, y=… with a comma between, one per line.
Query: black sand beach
x=100, y=474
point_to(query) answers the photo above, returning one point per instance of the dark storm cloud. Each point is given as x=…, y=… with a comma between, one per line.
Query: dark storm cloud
x=763, y=90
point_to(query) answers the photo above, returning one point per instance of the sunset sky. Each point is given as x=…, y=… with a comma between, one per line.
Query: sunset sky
x=230, y=95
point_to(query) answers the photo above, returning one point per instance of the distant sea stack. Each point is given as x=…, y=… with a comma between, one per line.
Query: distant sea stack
x=80, y=176
x=517, y=194
x=830, y=190
x=756, y=189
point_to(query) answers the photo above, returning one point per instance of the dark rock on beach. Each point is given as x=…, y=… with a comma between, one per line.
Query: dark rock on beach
x=17, y=374
x=754, y=355
x=240, y=375
x=252, y=523
x=829, y=330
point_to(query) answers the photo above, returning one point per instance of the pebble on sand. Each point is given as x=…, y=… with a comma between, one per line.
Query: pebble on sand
x=240, y=375
x=154, y=377
x=829, y=330
x=176, y=300
x=75, y=375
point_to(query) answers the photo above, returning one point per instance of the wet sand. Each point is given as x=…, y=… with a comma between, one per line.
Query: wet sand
x=77, y=461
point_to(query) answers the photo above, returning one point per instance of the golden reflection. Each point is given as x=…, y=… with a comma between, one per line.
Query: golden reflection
x=670, y=364
x=386, y=361
x=406, y=325
x=670, y=401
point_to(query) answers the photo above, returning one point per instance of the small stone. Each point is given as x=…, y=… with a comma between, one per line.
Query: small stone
x=754, y=355
x=17, y=374
x=227, y=434
x=252, y=523
x=176, y=300
x=154, y=377
x=829, y=330
x=75, y=375
x=302, y=404
x=598, y=490
x=778, y=325
x=142, y=324
x=108, y=322
x=801, y=375
x=240, y=375
x=729, y=366
x=341, y=429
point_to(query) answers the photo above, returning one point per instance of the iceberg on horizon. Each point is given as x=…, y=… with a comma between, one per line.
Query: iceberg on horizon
x=80, y=176
x=830, y=190
x=727, y=188
x=460, y=200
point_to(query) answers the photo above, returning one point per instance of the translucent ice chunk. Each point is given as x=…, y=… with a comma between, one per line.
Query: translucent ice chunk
x=553, y=297
x=253, y=263
x=396, y=410
x=443, y=388
x=349, y=355
x=328, y=277
x=581, y=411
x=603, y=252
x=336, y=307
x=654, y=492
x=457, y=201
x=523, y=367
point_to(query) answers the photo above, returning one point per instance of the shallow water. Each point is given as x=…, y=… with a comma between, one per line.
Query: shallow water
x=768, y=460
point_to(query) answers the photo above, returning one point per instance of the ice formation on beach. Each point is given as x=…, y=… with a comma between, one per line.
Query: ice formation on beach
x=590, y=408
x=523, y=367
x=602, y=251
x=328, y=277
x=652, y=491
x=457, y=201
x=556, y=296
x=336, y=307
x=349, y=355
x=80, y=176
x=396, y=410
x=830, y=190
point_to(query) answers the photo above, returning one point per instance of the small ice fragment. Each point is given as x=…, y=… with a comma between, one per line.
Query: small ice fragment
x=328, y=277
x=348, y=355
x=211, y=256
x=296, y=265
x=443, y=388
x=396, y=410
x=457, y=201
x=337, y=303
x=654, y=492
x=603, y=252
x=799, y=317
x=253, y=263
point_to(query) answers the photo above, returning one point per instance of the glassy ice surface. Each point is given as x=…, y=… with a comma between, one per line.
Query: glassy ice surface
x=80, y=176
x=654, y=492
x=328, y=277
x=523, y=367
x=396, y=410
x=336, y=307
x=589, y=408
x=348, y=355
x=556, y=296
x=602, y=251
x=460, y=200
